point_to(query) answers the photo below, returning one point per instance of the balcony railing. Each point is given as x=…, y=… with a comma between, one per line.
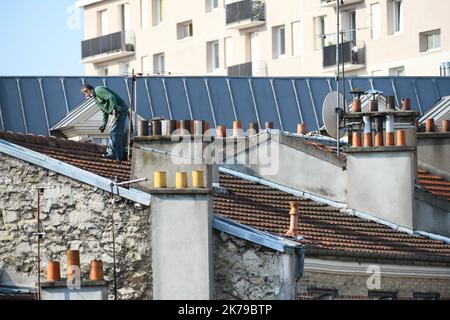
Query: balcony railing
x=332, y=3
x=240, y=70
x=245, y=13
x=115, y=42
x=350, y=52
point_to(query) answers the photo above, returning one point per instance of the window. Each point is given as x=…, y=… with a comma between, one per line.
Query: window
x=382, y=295
x=125, y=18
x=397, y=72
x=212, y=56
x=185, y=30
x=430, y=40
x=349, y=25
x=397, y=13
x=228, y=51
x=296, y=38
x=158, y=11
x=124, y=68
x=377, y=73
x=103, y=23
x=211, y=5
x=322, y=294
x=145, y=65
x=279, y=41
x=320, y=27
x=159, y=63
x=375, y=26
x=145, y=14
x=426, y=295
x=102, y=71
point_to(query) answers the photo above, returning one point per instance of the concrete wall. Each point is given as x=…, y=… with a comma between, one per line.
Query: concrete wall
x=433, y=149
x=300, y=166
x=248, y=271
x=72, y=214
x=381, y=184
x=146, y=162
x=182, y=246
x=431, y=214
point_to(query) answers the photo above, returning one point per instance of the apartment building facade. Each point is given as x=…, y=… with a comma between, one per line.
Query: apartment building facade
x=264, y=38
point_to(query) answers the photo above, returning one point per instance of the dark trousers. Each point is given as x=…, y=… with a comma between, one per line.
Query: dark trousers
x=115, y=147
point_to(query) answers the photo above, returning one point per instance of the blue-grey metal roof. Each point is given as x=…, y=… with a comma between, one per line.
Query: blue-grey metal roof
x=35, y=104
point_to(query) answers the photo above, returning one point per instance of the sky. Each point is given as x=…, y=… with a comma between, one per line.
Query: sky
x=40, y=38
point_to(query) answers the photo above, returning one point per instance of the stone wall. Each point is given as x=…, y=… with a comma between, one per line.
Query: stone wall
x=245, y=271
x=73, y=215
x=355, y=286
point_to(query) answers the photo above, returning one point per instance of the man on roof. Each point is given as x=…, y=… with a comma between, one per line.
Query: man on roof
x=111, y=104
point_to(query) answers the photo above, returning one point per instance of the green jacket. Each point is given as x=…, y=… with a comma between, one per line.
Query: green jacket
x=107, y=100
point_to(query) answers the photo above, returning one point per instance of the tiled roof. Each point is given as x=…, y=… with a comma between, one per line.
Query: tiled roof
x=325, y=229
x=84, y=155
x=434, y=184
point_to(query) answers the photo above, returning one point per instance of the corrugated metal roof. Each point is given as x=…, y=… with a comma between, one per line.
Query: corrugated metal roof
x=35, y=104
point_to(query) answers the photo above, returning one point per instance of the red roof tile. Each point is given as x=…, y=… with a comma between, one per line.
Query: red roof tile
x=87, y=156
x=434, y=184
x=324, y=229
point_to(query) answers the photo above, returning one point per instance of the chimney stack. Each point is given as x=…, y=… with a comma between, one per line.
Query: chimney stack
x=293, y=225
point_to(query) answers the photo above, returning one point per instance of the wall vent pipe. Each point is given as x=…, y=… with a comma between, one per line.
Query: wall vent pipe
x=199, y=127
x=293, y=224
x=253, y=128
x=171, y=126
x=73, y=259
x=379, y=132
x=406, y=104
x=156, y=127
x=401, y=138
x=237, y=128
x=367, y=131
x=185, y=127
x=390, y=102
x=301, y=128
x=159, y=179
x=445, y=125
x=390, y=133
x=221, y=131
x=356, y=139
x=373, y=105
x=197, y=179
x=96, y=270
x=429, y=125
x=142, y=128
x=53, y=271
x=356, y=105
x=181, y=180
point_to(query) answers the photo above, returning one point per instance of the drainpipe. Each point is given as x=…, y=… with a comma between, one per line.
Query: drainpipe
x=300, y=267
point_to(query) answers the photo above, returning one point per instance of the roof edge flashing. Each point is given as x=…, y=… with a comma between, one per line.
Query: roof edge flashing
x=72, y=172
x=256, y=236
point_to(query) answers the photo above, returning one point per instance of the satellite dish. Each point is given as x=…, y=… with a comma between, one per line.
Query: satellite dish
x=329, y=113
